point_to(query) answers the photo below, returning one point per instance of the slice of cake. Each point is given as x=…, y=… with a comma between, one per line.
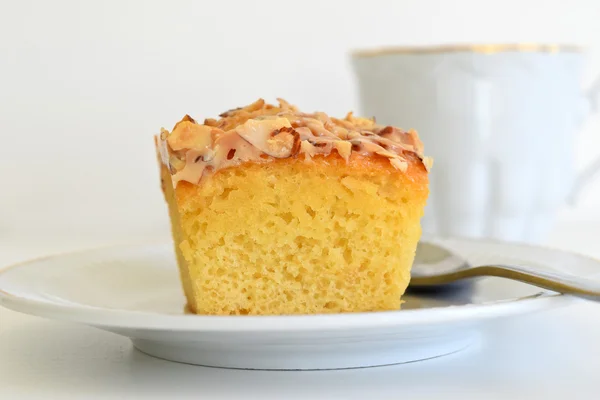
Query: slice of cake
x=276, y=211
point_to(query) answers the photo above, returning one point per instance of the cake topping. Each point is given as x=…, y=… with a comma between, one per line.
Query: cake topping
x=261, y=132
x=273, y=136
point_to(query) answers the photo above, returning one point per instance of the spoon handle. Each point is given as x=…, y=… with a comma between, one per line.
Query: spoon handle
x=551, y=280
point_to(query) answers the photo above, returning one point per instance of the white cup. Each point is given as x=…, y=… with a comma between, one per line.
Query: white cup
x=499, y=122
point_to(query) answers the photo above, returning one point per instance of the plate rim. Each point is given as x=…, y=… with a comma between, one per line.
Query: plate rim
x=130, y=319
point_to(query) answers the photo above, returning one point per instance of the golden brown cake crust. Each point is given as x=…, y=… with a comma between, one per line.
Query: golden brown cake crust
x=415, y=176
x=262, y=132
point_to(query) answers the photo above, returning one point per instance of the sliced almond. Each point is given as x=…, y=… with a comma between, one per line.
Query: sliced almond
x=307, y=148
x=344, y=148
x=416, y=141
x=386, y=131
x=176, y=163
x=284, y=105
x=186, y=118
x=296, y=145
x=399, y=164
x=269, y=136
x=163, y=134
x=189, y=135
x=211, y=122
x=257, y=105
x=305, y=133
x=359, y=122
x=428, y=162
x=318, y=129
x=229, y=113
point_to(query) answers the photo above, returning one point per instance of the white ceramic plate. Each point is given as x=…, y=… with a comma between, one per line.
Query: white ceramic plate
x=135, y=291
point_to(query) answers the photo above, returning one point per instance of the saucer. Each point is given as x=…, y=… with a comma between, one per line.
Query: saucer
x=135, y=291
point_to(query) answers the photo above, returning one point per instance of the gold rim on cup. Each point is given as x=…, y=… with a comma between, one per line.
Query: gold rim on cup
x=471, y=48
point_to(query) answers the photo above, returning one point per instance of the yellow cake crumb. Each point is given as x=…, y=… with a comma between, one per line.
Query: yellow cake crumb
x=295, y=238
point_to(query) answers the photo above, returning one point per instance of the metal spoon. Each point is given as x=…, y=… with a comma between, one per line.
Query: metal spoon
x=436, y=266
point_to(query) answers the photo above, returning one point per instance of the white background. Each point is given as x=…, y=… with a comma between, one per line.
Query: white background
x=85, y=85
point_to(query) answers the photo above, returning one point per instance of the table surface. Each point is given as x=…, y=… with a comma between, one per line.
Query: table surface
x=553, y=354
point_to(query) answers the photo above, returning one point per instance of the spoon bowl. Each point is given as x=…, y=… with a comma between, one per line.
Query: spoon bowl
x=436, y=267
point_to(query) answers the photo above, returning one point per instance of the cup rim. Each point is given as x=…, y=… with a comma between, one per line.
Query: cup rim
x=483, y=48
